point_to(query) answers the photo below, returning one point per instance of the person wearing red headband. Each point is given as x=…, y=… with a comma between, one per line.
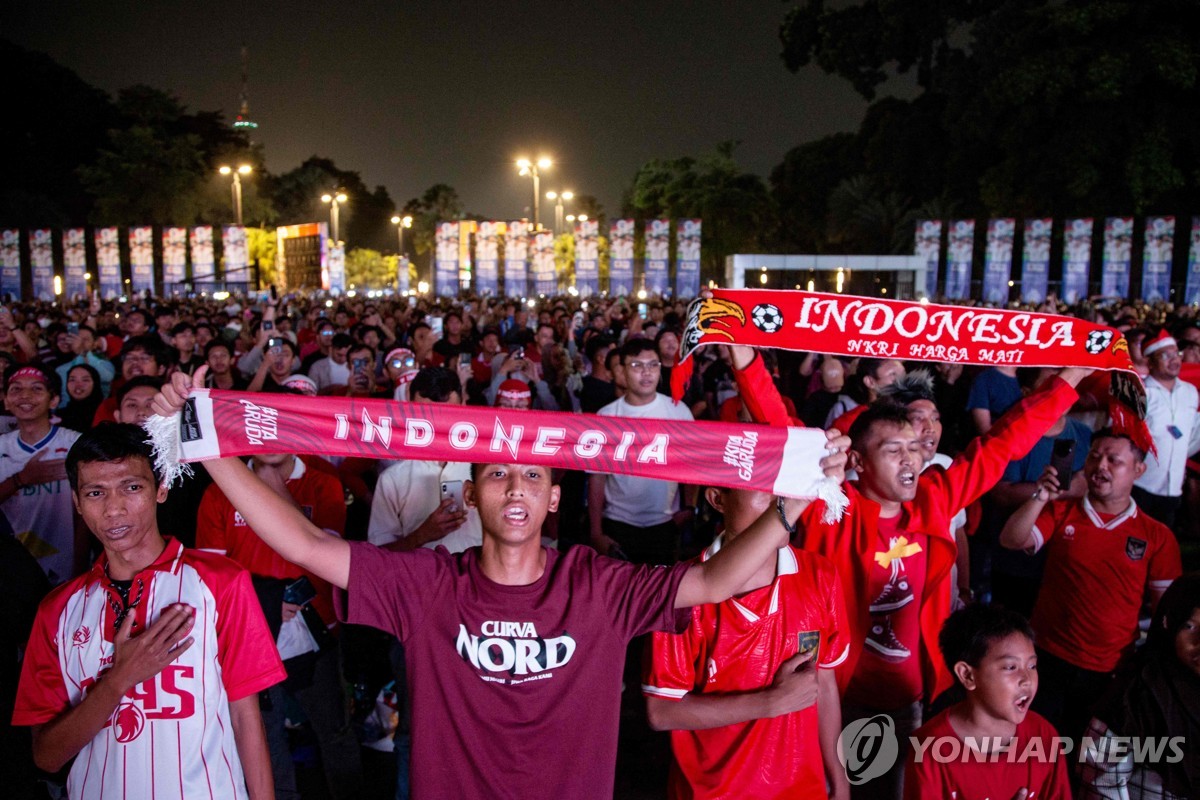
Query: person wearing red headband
x=514, y=393
x=34, y=495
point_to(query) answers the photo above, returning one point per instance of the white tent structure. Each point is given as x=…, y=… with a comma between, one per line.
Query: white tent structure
x=741, y=270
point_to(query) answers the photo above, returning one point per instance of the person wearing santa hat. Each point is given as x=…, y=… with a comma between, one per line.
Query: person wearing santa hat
x=1171, y=417
x=514, y=393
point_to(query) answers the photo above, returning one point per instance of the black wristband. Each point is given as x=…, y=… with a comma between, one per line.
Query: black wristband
x=787, y=526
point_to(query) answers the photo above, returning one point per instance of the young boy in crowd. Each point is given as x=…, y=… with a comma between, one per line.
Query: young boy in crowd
x=1004, y=750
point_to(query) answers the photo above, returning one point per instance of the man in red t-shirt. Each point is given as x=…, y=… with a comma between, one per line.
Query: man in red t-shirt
x=515, y=651
x=1104, y=558
x=894, y=550
x=310, y=653
x=748, y=690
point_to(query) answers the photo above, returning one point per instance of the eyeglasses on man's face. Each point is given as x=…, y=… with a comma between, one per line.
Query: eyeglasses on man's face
x=644, y=366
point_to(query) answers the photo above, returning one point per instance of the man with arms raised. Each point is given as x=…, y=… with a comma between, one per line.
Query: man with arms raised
x=514, y=652
x=146, y=669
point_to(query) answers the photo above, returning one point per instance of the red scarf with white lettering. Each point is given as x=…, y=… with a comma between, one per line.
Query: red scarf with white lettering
x=216, y=424
x=845, y=325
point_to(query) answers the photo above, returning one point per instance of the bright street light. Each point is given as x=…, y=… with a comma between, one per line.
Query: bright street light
x=401, y=223
x=526, y=168
x=243, y=169
x=335, y=201
x=560, y=197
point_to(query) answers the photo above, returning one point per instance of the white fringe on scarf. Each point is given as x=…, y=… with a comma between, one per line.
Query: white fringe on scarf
x=164, y=437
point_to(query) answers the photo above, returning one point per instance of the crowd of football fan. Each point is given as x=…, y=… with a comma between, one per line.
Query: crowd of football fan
x=1008, y=569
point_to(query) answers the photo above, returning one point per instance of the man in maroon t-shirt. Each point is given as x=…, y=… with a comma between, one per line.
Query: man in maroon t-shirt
x=514, y=652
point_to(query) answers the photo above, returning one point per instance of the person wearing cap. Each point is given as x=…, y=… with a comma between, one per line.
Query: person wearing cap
x=334, y=369
x=514, y=393
x=400, y=366
x=1171, y=417
x=34, y=494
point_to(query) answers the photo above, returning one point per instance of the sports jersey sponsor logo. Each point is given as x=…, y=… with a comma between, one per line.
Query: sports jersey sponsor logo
x=82, y=635
x=739, y=453
x=513, y=648
x=261, y=422
x=1135, y=548
x=1069, y=532
x=127, y=722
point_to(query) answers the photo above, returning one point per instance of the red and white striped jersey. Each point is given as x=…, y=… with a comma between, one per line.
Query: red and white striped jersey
x=171, y=736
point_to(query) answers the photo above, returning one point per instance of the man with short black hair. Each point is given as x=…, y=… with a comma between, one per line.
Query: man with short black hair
x=183, y=339
x=146, y=669
x=143, y=355
x=598, y=389
x=279, y=356
x=334, y=369
x=1105, y=556
x=218, y=356
x=505, y=625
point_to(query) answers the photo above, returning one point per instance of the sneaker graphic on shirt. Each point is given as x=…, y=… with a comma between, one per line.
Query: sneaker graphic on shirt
x=896, y=594
x=882, y=639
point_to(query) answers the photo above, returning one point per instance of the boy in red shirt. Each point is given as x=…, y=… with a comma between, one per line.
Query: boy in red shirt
x=989, y=745
x=748, y=691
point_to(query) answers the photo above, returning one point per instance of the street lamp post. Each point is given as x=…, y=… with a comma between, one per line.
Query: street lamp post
x=335, y=201
x=401, y=223
x=525, y=167
x=243, y=169
x=558, y=208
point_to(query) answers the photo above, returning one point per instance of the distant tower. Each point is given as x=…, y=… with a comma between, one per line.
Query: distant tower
x=242, y=121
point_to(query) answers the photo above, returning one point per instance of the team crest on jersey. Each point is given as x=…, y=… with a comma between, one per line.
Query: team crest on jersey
x=1069, y=532
x=1135, y=548
x=809, y=642
x=128, y=722
x=82, y=635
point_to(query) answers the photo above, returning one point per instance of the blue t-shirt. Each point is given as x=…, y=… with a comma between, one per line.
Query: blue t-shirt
x=995, y=391
x=1031, y=467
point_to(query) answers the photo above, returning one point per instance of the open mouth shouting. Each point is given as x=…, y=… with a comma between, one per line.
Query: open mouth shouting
x=516, y=515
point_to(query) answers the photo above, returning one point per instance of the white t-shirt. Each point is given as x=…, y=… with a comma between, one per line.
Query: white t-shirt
x=642, y=501
x=407, y=493
x=42, y=516
x=1172, y=420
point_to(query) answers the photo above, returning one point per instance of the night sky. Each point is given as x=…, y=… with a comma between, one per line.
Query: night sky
x=413, y=94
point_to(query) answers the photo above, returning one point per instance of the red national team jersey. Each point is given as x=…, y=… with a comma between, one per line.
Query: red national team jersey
x=172, y=735
x=997, y=778
x=1096, y=576
x=738, y=646
x=221, y=529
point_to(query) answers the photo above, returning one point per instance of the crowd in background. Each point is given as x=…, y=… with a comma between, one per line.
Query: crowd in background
x=104, y=361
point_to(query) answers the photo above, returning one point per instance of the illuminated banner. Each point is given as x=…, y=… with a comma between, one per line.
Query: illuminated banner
x=658, y=253
x=445, y=261
x=959, y=254
x=620, y=257
x=587, y=257
x=141, y=258
x=928, y=243
x=108, y=262
x=1191, y=292
x=337, y=268
x=41, y=257
x=687, y=258
x=174, y=259
x=544, y=280
x=487, y=257
x=74, y=262
x=204, y=263
x=402, y=284
x=1118, y=255
x=1035, y=260
x=516, y=253
x=235, y=255
x=1156, y=259
x=997, y=262
x=465, y=229
x=1077, y=258
x=10, y=264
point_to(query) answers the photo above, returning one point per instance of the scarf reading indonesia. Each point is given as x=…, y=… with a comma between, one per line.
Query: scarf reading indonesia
x=844, y=325
x=216, y=424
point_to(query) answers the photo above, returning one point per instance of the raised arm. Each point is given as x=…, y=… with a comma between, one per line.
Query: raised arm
x=721, y=576
x=276, y=521
x=1018, y=531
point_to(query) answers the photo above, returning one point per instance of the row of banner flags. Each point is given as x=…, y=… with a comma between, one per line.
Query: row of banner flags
x=1158, y=246
x=176, y=242
x=529, y=256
